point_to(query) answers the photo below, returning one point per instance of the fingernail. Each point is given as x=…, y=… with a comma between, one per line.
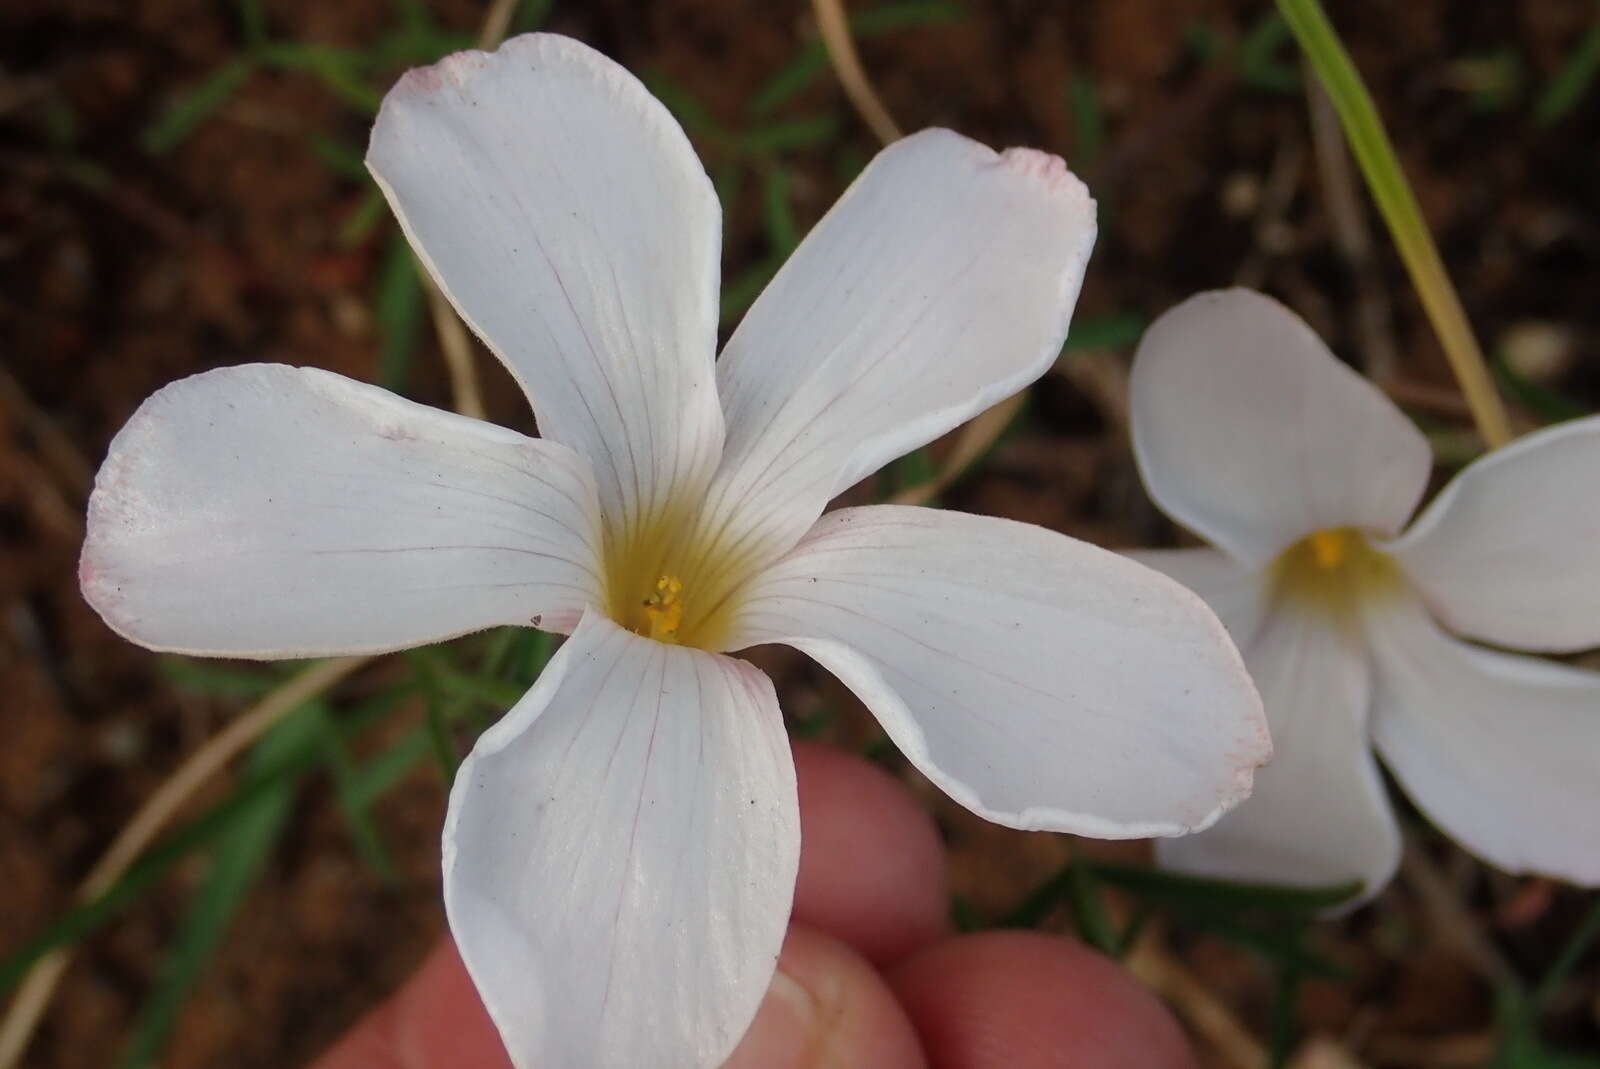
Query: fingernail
x=788, y=996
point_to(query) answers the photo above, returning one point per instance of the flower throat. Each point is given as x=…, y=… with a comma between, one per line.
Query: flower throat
x=667, y=579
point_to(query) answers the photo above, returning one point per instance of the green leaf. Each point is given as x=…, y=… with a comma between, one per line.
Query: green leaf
x=236, y=863
x=1573, y=80
x=186, y=113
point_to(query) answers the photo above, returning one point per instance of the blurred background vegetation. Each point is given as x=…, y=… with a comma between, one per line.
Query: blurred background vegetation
x=181, y=187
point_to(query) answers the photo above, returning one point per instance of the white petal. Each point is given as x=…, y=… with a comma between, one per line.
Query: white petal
x=1040, y=681
x=1251, y=434
x=620, y=855
x=1509, y=552
x=271, y=511
x=940, y=283
x=1239, y=595
x=1501, y=751
x=565, y=215
x=1318, y=814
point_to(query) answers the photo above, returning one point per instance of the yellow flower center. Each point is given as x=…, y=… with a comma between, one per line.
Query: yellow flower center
x=668, y=580
x=664, y=609
x=1334, y=570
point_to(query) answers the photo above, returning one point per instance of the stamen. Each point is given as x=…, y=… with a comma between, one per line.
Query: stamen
x=664, y=609
x=1335, y=569
x=1330, y=548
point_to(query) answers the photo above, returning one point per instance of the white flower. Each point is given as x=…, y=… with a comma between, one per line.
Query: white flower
x=620, y=850
x=1301, y=473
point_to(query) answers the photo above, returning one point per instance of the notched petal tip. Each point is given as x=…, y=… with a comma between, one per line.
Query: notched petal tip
x=457, y=73
x=1049, y=169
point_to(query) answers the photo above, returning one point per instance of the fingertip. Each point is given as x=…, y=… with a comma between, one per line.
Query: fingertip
x=827, y=1009
x=436, y=1019
x=1022, y=1000
x=872, y=867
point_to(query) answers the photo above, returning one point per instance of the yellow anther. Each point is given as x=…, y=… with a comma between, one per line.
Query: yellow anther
x=664, y=609
x=1329, y=548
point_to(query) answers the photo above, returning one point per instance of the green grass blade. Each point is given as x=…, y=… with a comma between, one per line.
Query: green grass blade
x=357, y=815
x=237, y=862
x=1120, y=330
x=336, y=68
x=1582, y=939
x=372, y=211
x=1183, y=889
x=789, y=135
x=1285, y=1010
x=497, y=694
x=741, y=291
x=384, y=772
x=340, y=158
x=530, y=16
x=266, y=777
x=252, y=22
x=1259, y=67
x=1550, y=405
x=783, y=233
x=217, y=681
x=398, y=309
x=1089, y=910
x=1088, y=123
x=1573, y=80
x=690, y=112
x=186, y=113
x=431, y=672
x=788, y=81
x=794, y=77
x=1398, y=205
